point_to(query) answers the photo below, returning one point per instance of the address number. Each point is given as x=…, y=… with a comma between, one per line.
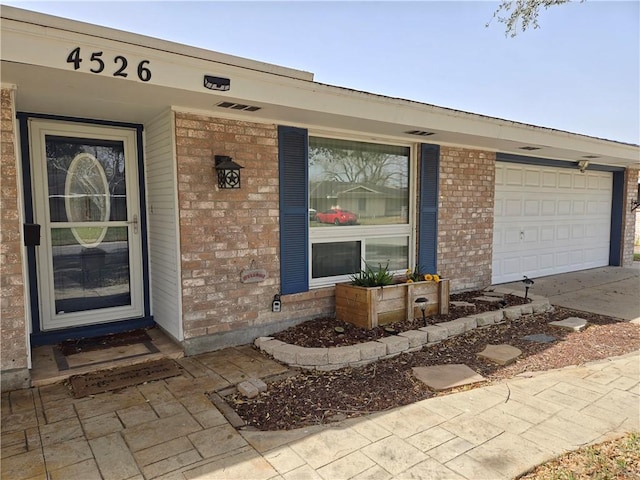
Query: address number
x=120, y=64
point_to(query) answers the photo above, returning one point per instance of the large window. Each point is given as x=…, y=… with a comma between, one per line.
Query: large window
x=359, y=209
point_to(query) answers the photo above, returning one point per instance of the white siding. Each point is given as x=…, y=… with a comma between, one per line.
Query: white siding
x=164, y=238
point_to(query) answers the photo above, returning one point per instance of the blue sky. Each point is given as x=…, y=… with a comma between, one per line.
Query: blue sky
x=579, y=72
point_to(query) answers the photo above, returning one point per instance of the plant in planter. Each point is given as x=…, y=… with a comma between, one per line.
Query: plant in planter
x=375, y=297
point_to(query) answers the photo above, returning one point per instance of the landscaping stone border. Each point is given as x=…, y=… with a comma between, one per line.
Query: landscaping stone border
x=334, y=358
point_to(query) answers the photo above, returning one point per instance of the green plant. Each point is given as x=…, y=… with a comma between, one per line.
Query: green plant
x=373, y=277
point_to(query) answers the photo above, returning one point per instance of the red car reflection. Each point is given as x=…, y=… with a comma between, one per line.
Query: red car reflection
x=337, y=217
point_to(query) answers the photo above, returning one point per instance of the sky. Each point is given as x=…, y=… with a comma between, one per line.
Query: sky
x=579, y=72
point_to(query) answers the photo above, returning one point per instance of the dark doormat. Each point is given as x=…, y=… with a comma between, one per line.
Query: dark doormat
x=116, y=378
x=69, y=347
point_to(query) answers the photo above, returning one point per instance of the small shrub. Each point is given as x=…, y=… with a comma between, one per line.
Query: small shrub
x=373, y=277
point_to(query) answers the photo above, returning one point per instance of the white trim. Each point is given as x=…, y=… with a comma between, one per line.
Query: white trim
x=49, y=318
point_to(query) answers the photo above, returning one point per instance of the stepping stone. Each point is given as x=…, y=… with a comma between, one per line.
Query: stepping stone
x=489, y=299
x=540, y=338
x=493, y=294
x=500, y=354
x=575, y=324
x=444, y=377
x=462, y=304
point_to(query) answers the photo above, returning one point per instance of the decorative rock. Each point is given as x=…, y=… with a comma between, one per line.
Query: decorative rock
x=574, y=324
x=491, y=293
x=258, y=342
x=436, y=333
x=453, y=327
x=540, y=306
x=512, y=313
x=489, y=318
x=312, y=356
x=287, y=353
x=248, y=389
x=540, y=338
x=269, y=346
x=462, y=304
x=443, y=377
x=500, y=354
x=395, y=344
x=416, y=338
x=259, y=384
x=526, y=309
x=488, y=299
x=344, y=355
x=372, y=350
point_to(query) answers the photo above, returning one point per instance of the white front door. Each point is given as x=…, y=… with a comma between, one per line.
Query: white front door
x=89, y=261
x=549, y=220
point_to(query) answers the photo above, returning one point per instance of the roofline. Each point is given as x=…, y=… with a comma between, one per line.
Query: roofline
x=108, y=33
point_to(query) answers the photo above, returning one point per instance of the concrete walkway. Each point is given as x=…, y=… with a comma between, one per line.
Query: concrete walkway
x=611, y=291
x=169, y=429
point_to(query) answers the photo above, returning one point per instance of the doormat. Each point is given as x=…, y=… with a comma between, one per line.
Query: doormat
x=117, y=378
x=69, y=347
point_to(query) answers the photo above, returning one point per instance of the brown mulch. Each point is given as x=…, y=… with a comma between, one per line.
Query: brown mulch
x=312, y=397
x=320, y=332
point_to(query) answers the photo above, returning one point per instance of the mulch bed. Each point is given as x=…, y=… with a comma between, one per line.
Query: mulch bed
x=311, y=397
x=319, y=333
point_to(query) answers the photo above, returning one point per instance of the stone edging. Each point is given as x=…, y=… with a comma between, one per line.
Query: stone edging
x=334, y=358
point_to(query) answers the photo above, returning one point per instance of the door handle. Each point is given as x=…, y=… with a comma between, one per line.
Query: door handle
x=134, y=222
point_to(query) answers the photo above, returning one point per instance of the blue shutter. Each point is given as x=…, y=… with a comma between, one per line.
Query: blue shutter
x=428, y=218
x=293, y=149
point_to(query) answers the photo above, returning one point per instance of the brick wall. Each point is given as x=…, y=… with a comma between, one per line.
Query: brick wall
x=223, y=231
x=629, y=224
x=13, y=354
x=465, y=218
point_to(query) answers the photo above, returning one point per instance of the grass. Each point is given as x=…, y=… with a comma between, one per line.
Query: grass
x=617, y=459
x=636, y=257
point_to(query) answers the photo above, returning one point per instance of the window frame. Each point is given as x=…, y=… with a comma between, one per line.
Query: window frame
x=362, y=233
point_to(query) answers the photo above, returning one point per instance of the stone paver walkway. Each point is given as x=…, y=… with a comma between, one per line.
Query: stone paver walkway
x=168, y=429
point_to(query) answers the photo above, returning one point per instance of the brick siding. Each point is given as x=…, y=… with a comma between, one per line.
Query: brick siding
x=629, y=222
x=223, y=231
x=13, y=341
x=465, y=217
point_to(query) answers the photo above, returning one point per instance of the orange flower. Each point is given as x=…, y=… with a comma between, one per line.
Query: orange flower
x=409, y=280
x=428, y=277
x=436, y=277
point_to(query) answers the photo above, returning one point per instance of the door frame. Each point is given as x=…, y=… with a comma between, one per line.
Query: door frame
x=39, y=337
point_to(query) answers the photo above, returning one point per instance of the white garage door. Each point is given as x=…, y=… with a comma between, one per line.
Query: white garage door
x=549, y=220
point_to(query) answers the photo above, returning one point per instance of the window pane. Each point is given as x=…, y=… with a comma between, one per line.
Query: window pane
x=335, y=258
x=394, y=251
x=86, y=180
x=369, y=181
x=90, y=278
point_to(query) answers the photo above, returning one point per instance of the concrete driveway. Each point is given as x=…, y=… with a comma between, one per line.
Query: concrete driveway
x=612, y=291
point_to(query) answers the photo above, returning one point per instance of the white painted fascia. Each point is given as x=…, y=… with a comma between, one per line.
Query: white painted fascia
x=46, y=41
x=124, y=37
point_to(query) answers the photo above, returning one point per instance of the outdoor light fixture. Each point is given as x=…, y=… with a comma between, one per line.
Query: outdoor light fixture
x=582, y=165
x=228, y=172
x=421, y=303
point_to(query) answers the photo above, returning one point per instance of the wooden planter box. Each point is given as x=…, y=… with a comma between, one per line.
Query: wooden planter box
x=368, y=307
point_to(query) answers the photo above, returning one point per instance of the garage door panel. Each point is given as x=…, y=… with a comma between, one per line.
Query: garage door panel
x=549, y=220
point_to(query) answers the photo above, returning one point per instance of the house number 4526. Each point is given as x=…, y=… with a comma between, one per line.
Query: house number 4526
x=97, y=62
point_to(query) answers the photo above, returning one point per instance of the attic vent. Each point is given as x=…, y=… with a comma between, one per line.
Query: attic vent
x=591, y=156
x=529, y=148
x=421, y=133
x=238, y=106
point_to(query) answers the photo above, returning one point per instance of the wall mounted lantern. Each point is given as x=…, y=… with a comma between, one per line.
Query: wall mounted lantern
x=228, y=172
